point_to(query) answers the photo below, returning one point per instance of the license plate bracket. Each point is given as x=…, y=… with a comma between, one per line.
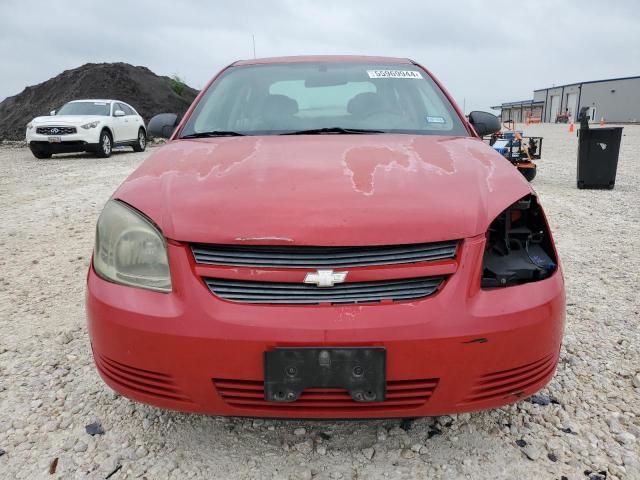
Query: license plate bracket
x=361, y=371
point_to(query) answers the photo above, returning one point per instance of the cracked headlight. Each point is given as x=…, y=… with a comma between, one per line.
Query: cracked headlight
x=130, y=250
x=89, y=125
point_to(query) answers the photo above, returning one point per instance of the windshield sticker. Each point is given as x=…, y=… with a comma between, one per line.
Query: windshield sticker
x=393, y=74
x=435, y=120
x=99, y=103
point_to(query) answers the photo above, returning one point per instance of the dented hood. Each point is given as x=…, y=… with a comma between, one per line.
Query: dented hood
x=323, y=189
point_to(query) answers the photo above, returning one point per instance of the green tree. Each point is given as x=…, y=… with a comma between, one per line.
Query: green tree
x=177, y=84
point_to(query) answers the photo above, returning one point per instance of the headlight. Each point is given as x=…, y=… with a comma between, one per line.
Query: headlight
x=29, y=126
x=519, y=248
x=130, y=250
x=89, y=125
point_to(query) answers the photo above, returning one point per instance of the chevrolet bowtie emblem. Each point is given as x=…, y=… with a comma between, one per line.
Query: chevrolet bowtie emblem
x=325, y=278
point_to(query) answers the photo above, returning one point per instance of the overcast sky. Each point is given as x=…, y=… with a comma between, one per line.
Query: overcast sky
x=485, y=52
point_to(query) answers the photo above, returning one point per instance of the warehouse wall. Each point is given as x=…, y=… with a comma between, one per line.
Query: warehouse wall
x=536, y=111
x=520, y=114
x=570, y=98
x=623, y=105
x=539, y=95
x=552, y=104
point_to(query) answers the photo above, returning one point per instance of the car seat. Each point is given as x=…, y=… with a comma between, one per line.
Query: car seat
x=366, y=104
x=278, y=113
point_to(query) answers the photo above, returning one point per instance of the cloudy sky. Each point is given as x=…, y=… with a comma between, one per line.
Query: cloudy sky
x=485, y=52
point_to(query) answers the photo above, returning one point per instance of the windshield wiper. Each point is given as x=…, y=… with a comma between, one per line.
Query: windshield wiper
x=214, y=133
x=320, y=131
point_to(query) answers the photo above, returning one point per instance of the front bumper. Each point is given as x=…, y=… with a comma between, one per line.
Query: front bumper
x=83, y=139
x=462, y=349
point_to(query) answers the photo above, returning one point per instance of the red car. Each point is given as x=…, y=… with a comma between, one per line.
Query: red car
x=325, y=237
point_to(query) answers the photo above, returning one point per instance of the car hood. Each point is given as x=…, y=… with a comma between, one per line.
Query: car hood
x=66, y=119
x=323, y=190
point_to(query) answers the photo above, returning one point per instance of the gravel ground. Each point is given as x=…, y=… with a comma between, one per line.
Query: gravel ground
x=585, y=424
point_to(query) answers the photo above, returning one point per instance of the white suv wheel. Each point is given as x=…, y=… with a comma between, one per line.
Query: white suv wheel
x=141, y=143
x=106, y=144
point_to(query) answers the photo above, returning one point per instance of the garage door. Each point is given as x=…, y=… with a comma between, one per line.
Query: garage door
x=572, y=104
x=555, y=107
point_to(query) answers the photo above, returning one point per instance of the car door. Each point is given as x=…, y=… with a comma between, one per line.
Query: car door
x=130, y=121
x=119, y=124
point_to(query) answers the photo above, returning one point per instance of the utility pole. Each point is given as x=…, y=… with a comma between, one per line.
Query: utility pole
x=253, y=38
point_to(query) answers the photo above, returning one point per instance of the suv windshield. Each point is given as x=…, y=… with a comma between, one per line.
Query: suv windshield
x=85, y=108
x=284, y=98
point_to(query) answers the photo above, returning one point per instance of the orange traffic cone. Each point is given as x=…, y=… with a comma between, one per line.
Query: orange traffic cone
x=602, y=121
x=571, y=127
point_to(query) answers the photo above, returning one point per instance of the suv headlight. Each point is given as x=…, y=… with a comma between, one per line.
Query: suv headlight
x=89, y=125
x=130, y=250
x=29, y=126
x=519, y=248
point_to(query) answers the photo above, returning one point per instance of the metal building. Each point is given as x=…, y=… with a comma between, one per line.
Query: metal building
x=614, y=100
x=522, y=111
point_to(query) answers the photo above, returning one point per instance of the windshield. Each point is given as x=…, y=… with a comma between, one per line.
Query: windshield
x=85, y=108
x=283, y=98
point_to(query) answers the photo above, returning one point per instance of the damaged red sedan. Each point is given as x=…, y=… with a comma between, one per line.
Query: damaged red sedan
x=325, y=237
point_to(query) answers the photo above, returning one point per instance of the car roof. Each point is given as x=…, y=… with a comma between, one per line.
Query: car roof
x=326, y=58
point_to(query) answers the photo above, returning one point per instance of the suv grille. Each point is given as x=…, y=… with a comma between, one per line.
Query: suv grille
x=56, y=130
x=344, y=293
x=316, y=257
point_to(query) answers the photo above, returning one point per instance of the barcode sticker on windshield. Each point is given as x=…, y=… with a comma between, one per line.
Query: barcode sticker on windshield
x=393, y=74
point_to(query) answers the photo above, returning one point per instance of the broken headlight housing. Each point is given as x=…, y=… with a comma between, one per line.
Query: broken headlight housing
x=130, y=249
x=519, y=247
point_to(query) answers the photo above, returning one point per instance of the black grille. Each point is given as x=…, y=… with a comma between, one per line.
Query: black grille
x=56, y=130
x=302, y=293
x=316, y=257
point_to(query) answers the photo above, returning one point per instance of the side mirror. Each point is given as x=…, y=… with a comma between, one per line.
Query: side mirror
x=162, y=125
x=484, y=123
x=118, y=113
x=52, y=113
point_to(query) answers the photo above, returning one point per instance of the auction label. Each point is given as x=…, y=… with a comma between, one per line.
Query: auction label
x=393, y=74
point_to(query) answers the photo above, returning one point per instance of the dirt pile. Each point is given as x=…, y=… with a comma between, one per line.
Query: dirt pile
x=147, y=92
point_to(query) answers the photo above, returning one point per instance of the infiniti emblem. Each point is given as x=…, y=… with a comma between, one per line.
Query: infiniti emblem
x=325, y=278
x=54, y=130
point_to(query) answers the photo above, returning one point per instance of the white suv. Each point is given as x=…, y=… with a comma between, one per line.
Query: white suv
x=87, y=126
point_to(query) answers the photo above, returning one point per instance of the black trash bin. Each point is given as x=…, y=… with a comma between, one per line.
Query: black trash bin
x=598, y=150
